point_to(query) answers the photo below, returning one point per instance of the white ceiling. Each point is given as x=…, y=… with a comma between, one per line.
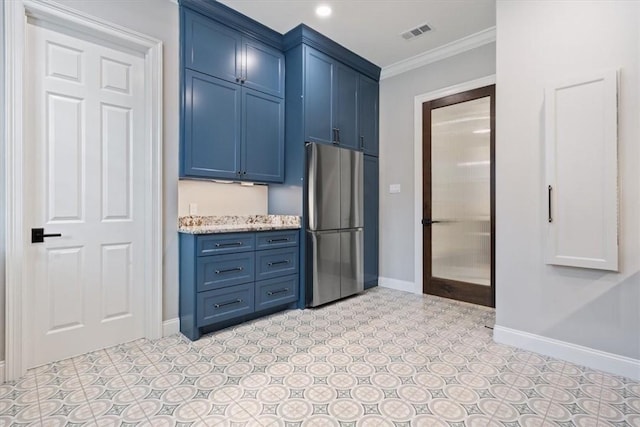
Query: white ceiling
x=372, y=28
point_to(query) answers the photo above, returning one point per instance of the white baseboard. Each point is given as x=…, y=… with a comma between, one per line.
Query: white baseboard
x=585, y=356
x=2, y=377
x=400, y=285
x=170, y=327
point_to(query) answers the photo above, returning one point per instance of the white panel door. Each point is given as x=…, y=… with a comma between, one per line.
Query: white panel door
x=84, y=179
x=582, y=173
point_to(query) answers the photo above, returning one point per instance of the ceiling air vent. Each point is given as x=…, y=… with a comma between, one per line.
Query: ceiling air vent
x=416, y=32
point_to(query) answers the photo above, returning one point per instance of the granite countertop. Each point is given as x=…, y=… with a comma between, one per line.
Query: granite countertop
x=234, y=223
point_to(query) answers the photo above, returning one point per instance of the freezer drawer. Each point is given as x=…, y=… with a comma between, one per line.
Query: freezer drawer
x=351, y=262
x=337, y=265
x=325, y=268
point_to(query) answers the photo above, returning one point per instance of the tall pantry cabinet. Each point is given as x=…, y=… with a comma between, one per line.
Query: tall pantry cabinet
x=332, y=98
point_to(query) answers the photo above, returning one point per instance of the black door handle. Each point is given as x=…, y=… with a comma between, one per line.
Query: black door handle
x=37, y=235
x=428, y=222
x=550, y=219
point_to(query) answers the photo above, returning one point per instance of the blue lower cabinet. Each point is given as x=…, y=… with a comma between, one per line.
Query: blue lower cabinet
x=275, y=292
x=228, y=278
x=220, y=271
x=276, y=262
x=226, y=303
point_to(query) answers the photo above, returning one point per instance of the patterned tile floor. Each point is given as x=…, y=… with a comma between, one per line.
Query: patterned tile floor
x=383, y=358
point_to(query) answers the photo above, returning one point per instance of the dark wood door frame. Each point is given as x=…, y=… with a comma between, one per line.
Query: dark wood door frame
x=444, y=287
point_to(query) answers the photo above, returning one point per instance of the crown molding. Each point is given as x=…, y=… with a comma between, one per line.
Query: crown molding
x=450, y=49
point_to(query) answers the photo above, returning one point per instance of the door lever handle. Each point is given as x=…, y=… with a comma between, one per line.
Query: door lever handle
x=37, y=235
x=428, y=222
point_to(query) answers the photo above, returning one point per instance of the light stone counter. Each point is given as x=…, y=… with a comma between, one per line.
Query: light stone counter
x=233, y=223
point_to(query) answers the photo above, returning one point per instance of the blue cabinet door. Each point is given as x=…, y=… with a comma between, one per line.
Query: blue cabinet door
x=371, y=241
x=211, y=48
x=263, y=68
x=346, y=106
x=211, y=142
x=368, y=115
x=318, y=97
x=262, y=137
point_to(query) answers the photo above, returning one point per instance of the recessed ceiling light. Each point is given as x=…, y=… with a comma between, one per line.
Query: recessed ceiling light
x=323, y=11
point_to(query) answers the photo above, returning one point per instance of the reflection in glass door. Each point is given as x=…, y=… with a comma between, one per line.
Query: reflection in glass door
x=457, y=218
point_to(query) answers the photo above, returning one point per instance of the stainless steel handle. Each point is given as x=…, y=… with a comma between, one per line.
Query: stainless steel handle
x=277, y=292
x=271, y=264
x=362, y=142
x=229, y=270
x=238, y=301
x=226, y=245
x=549, y=194
x=335, y=136
x=286, y=239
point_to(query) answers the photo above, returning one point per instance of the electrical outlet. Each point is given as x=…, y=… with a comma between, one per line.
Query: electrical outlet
x=394, y=188
x=193, y=209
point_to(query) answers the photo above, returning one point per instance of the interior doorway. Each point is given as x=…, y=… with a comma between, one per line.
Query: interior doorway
x=458, y=212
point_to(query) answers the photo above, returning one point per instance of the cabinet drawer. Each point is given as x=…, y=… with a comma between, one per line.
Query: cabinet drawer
x=223, y=304
x=220, y=271
x=225, y=243
x=276, y=262
x=277, y=239
x=275, y=292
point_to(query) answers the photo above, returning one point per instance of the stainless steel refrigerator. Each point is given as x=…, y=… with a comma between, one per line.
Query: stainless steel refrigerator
x=335, y=221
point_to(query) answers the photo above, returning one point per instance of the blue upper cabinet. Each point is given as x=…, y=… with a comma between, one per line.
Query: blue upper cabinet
x=346, y=106
x=330, y=95
x=263, y=137
x=318, y=97
x=263, y=68
x=233, y=87
x=217, y=50
x=339, y=91
x=212, y=48
x=368, y=115
x=212, y=130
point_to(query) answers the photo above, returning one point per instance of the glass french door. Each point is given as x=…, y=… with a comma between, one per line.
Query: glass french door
x=458, y=196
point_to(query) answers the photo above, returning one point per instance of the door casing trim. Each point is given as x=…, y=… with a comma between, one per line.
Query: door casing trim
x=17, y=345
x=417, y=165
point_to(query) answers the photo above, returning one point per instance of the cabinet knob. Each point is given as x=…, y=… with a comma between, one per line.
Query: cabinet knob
x=244, y=173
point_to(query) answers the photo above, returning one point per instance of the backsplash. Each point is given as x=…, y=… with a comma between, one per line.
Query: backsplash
x=214, y=198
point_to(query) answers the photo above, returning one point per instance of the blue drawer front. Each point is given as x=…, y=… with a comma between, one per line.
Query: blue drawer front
x=225, y=243
x=277, y=239
x=276, y=262
x=223, y=304
x=220, y=271
x=275, y=292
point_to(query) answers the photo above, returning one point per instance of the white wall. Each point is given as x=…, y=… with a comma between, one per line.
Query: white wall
x=396, y=149
x=2, y=190
x=214, y=198
x=540, y=42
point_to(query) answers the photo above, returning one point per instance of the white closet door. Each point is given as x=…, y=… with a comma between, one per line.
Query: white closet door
x=582, y=172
